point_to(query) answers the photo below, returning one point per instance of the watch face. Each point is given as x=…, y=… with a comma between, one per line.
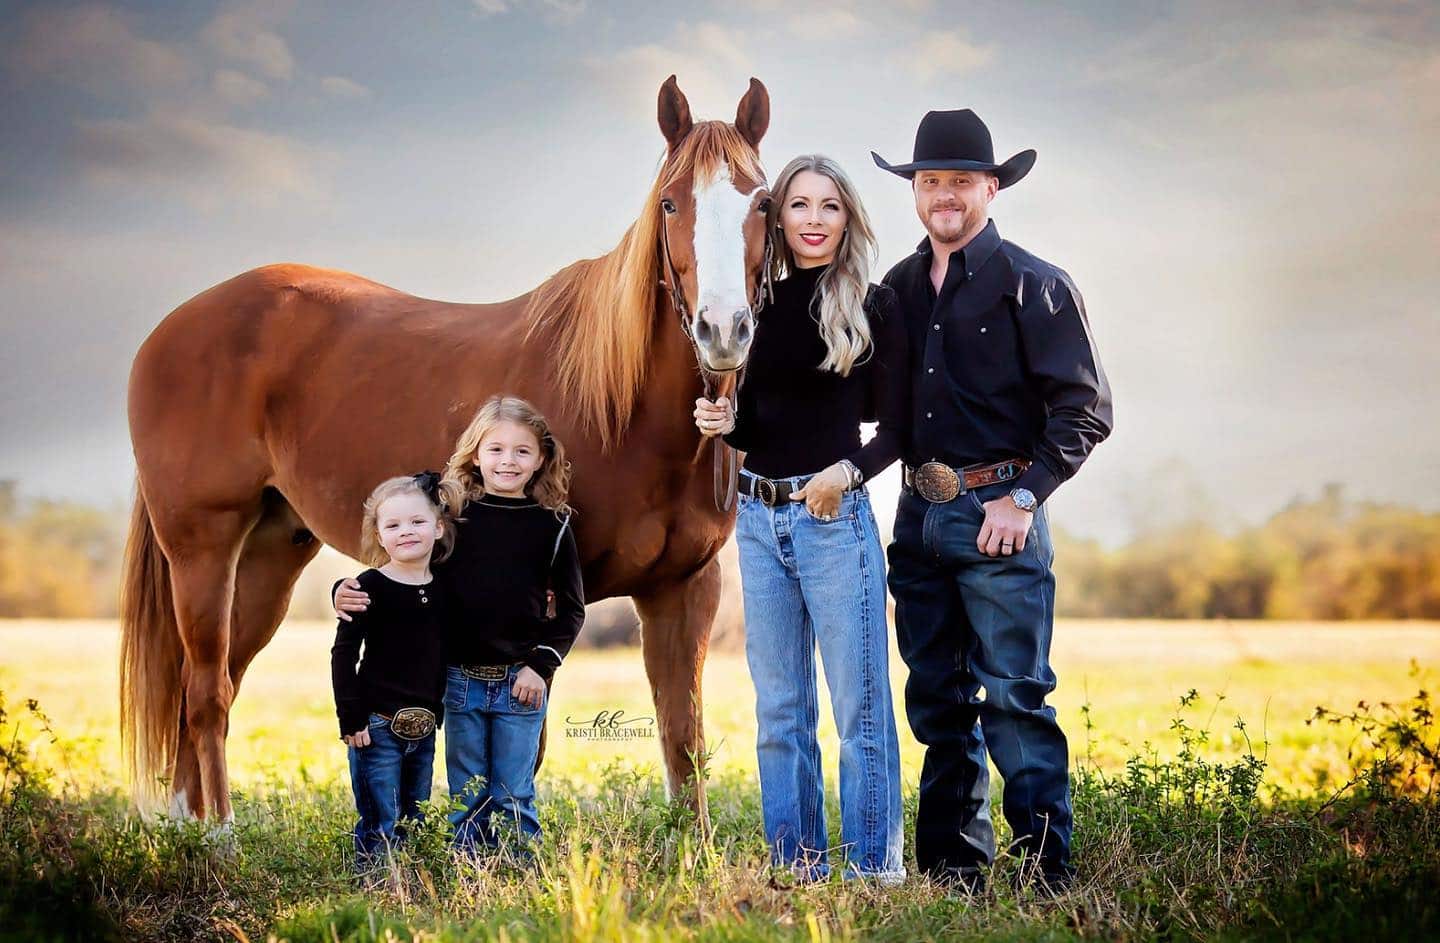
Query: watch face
x=1024, y=499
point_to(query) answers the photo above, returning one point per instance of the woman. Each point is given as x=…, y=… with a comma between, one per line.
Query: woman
x=830, y=353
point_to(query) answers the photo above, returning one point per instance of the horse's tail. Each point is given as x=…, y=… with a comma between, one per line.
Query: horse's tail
x=150, y=659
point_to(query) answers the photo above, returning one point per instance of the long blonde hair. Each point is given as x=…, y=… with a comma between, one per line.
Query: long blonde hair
x=549, y=486
x=842, y=289
x=371, y=550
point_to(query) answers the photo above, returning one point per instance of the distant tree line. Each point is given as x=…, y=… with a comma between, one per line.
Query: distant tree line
x=58, y=559
x=1328, y=558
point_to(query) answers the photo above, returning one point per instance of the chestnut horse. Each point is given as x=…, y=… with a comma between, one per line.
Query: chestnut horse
x=265, y=409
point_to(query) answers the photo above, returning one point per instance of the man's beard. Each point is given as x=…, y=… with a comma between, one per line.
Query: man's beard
x=946, y=231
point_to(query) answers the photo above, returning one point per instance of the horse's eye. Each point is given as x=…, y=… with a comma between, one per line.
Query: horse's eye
x=667, y=206
x=763, y=206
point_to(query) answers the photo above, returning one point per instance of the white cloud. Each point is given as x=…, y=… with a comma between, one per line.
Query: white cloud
x=208, y=163
x=241, y=36
x=238, y=89
x=554, y=11
x=829, y=22
x=96, y=48
x=943, y=54
x=341, y=87
x=709, y=61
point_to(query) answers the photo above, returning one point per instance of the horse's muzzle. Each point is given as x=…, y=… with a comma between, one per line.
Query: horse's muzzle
x=722, y=341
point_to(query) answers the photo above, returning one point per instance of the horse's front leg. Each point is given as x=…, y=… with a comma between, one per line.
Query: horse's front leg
x=676, y=620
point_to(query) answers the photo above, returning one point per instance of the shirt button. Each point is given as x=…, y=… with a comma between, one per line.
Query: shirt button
x=984, y=329
x=931, y=370
x=969, y=274
x=929, y=415
x=937, y=327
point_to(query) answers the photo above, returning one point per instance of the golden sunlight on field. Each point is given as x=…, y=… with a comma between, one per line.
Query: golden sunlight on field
x=1131, y=674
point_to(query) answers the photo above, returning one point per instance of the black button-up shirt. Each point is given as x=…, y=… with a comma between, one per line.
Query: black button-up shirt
x=1003, y=362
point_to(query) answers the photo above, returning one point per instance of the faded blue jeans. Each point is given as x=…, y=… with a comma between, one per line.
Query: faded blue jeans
x=490, y=735
x=389, y=778
x=808, y=581
x=968, y=622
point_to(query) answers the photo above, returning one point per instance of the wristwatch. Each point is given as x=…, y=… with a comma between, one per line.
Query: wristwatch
x=853, y=472
x=1024, y=499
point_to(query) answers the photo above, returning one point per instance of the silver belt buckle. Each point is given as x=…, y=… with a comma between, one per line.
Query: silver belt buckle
x=766, y=491
x=936, y=482
x=485, y=672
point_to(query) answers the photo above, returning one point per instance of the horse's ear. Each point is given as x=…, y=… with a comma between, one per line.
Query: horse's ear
x=675, y=121
x=752, y=118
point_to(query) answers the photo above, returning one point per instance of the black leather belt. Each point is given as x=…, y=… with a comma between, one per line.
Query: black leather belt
x=771, y=492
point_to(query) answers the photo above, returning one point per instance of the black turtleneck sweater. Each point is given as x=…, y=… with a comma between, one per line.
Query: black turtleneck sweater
x=508, y=553
x=794, y=418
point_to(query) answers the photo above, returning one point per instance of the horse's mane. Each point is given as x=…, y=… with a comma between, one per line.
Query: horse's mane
x=600, y=311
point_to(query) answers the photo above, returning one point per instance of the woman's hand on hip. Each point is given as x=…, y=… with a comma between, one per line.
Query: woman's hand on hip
x=822, y=493
x=714, y=417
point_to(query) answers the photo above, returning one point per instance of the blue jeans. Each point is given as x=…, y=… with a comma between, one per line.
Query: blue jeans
x=491, y=735
x=390, y=778
x=807, y=581
x=966, y=621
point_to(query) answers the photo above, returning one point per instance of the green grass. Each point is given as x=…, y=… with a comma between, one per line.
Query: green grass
x=1188, y=826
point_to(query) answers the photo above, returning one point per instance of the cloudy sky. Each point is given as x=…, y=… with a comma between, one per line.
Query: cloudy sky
x=1247, y=196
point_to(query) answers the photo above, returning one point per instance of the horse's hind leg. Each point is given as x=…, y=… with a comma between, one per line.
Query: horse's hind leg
x=675, y=633
x=274, y=552
x=203, y=546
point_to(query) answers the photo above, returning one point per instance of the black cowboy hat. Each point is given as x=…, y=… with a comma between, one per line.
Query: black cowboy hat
x=958, y=140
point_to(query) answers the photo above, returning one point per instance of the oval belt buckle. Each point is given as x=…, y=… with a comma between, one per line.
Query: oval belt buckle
x=412, y=723
x=768, y=492
x=937, y=482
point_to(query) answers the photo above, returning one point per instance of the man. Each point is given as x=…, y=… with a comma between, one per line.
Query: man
x=1009, y=399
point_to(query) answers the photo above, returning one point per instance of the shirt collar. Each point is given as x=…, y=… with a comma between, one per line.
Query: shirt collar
x=975, y=253
x=501, y=501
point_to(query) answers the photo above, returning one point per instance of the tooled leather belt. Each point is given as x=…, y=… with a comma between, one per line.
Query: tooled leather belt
x=937, y=482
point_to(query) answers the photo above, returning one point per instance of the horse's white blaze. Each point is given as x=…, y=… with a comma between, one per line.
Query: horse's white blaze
x=720, y=212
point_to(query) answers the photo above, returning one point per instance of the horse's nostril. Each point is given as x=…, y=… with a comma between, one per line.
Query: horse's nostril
x=742, y=333
x=703, y=330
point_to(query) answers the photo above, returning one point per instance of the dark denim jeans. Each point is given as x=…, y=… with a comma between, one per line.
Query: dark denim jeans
x=390, y=778
x=966, y=622
x=490, y=735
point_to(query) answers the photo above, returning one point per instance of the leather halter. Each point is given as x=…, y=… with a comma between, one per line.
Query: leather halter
x=726, y=478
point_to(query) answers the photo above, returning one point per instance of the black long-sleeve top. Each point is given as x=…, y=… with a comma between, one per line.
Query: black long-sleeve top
x=508, y=553
x=1003, y=361
x=403, y=633
x=793, y=418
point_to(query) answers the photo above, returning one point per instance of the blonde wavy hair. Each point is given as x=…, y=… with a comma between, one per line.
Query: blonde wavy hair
x=371, y=551
x=841, y=295
x=549, y=486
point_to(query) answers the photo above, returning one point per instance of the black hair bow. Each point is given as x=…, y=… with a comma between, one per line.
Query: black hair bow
x=429, y=482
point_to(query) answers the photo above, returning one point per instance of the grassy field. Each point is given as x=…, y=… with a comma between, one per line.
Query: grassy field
x=1174, y=836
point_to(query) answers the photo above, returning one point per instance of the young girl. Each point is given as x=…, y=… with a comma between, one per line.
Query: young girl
x=506, y=485
x=390, y=707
